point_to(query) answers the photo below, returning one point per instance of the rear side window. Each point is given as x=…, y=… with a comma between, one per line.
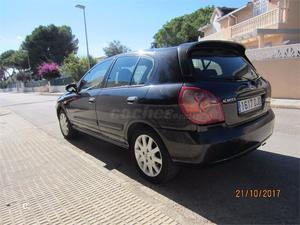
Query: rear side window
x=143, y=71
x=122, y=71
x=222, y=66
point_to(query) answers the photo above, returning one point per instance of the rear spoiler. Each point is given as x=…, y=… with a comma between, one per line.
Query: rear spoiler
x=184, y=51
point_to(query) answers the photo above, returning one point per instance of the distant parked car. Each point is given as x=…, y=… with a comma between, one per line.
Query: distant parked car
x=199, y=102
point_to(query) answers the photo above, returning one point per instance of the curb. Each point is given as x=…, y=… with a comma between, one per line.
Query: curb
x=276, y=106
x=285, y=103
x=50, y=94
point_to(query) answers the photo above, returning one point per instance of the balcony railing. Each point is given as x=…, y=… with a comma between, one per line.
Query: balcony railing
x=261, y=21
x=265, y=20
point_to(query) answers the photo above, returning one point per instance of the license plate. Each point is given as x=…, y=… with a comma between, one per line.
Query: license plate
x=249, y=104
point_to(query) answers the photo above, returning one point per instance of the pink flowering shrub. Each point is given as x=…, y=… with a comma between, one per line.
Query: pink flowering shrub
x=49, y=71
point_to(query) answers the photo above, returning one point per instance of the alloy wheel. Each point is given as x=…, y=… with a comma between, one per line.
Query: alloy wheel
x=64, y=124
x=148, y=155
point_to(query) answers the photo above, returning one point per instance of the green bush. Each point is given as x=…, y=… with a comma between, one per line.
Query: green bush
x=76, y=67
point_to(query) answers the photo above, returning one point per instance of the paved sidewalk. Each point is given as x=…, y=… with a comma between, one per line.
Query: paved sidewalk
x=43, y=181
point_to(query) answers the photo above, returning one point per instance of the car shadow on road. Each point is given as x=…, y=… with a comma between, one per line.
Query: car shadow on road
x=210, y=191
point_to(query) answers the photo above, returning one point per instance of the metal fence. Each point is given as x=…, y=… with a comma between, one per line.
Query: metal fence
x=10, y=85
x=54, y=82
x=61, y=81
x=36, y=83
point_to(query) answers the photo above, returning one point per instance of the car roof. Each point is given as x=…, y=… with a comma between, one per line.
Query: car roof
x=186, y=47
x=183, y=50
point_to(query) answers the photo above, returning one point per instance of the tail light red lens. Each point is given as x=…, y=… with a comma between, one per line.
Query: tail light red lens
x=200, y=106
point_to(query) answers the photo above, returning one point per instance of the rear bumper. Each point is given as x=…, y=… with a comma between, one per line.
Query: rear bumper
x=218, y=143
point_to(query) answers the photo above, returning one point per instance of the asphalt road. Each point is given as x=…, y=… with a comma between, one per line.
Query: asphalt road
x=206, y=191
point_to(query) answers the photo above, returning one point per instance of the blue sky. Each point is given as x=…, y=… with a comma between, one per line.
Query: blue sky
x=133, y=22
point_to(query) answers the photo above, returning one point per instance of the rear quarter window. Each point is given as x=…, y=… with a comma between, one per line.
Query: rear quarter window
x=168, y=68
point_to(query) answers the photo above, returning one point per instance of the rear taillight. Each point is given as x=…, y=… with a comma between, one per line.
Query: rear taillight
x=200, y=106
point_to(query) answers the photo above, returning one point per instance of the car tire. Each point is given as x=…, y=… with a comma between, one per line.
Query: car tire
x=65, y=126
x=151, y=156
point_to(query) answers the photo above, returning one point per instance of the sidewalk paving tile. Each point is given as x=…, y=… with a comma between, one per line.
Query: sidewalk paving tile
x=45, y=182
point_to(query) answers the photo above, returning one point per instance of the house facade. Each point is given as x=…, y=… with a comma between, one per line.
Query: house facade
x=258, y=24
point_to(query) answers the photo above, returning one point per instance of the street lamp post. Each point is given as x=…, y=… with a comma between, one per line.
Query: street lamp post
x=28, y=60
x=86, y=37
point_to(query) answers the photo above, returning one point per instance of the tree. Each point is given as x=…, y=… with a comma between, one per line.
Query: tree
x=183, y=29
x=114, y=48
x=49, y=44
x=16, y=60
x=76, y=67
x=6, y=59
x=2, y=73
x=23, y=76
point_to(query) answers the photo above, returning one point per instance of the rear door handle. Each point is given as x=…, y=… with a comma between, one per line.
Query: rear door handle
x=92, y=100
x=132, y=99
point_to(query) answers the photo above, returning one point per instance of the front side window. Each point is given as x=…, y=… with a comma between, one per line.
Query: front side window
x=95, y=76
x=143, y=71
x=122, y=71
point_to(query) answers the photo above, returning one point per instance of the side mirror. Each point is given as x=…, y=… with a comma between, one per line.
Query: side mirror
x=71, y=88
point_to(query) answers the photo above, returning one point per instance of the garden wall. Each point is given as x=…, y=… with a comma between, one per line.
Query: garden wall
x=280, y=65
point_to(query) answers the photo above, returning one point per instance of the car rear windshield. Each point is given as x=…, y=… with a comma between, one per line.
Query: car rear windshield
x=223, y=66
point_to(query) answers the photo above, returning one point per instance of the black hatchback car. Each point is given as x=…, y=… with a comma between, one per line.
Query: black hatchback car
x=199, y=102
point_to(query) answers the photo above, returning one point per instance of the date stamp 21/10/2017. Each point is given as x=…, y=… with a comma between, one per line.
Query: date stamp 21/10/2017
x=257, y=193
